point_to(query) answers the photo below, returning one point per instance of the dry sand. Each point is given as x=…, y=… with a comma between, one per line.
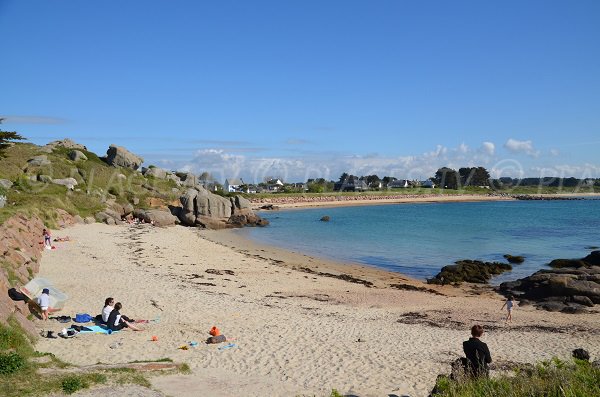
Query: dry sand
x=295, y=332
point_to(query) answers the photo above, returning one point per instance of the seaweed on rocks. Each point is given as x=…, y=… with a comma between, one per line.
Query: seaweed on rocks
x=471, y=271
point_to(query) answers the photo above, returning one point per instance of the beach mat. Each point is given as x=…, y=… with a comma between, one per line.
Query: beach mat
x=95, y=329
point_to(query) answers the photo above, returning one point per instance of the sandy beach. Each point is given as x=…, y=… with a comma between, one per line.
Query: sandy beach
x=286, y=202
x=296, y=327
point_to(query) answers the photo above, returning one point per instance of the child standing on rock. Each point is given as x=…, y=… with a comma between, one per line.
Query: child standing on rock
x=510, y=302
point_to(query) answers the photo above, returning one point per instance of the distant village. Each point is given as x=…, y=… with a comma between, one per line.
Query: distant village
x=446, y=178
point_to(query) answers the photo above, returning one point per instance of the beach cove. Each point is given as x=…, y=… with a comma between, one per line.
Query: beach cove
x=297, y=328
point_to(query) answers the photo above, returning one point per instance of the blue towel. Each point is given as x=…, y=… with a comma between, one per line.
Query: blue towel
x=96, y=329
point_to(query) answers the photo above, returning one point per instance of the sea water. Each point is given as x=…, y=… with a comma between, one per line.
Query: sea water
x=419, y=239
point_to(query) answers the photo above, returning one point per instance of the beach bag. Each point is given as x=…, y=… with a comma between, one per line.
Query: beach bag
x=216, y=339
x=16, y=295
x=83, y=318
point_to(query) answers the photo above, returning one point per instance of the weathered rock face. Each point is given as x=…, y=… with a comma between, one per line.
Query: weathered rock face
x=39, y=161
x=5, y=183
x=66, y=143
x=566, y=289
x=77, y=155
x=199, y=207
x=21, y=251
x=118, y=156
x=157, y=217
x=187, y=179
x=155, y=172
x=469, y=271
x=70, y=183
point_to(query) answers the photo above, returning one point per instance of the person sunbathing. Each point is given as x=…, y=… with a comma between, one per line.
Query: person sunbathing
x=116, y=322
x=62, y=239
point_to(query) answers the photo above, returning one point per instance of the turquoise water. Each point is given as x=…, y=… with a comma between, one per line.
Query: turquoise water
x=418, y=239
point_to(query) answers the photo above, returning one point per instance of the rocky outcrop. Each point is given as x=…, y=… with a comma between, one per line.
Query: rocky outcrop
x=69, y=183
x=5, y=183
x=65, y=143
x=155, y=172
x=20, y=254
x=469, y=271
x=77, y=155
x=187, y=179
x=39, y=161
x=156, y=216
x=118, y=156
x=570, y=287
x=514, y=258
x=199, y=207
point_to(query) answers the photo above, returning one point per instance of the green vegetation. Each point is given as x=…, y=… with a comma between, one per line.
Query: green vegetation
x=19, y=364
x=6, y=139
x=96, y=182
x=553, y=378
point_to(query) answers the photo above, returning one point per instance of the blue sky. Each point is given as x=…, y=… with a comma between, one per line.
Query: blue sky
x=302, y=89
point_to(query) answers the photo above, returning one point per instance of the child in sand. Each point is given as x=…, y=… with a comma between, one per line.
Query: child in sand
x=44, y=302
x=47, y=239
x=116, y=322
x=510, y=302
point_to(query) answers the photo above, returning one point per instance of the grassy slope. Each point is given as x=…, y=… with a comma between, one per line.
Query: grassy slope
x=96, y=182
x=553, y=378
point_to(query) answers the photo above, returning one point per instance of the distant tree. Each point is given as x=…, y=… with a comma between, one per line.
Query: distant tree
x=372, y=180
x=481, y=177
x=447, y=178
x=6, y=139
x=344, y=176
x=206, y=176
x=387, y=179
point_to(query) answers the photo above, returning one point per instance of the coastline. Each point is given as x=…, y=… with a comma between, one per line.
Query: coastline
x=296, y=332
x=351, y=201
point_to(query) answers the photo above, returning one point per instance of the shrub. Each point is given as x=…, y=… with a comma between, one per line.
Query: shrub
x=11, y=363
x=72, y=383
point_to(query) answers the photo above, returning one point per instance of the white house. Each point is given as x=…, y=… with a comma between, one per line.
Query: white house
x=399, y=183
x=233, y=185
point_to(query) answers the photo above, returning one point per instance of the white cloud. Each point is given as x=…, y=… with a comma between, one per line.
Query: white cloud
x=554, y=152
x=488, y=148
x=516, y=146
x=223, y=164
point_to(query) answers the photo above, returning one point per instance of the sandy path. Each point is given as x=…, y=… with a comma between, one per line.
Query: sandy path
x=295, y=333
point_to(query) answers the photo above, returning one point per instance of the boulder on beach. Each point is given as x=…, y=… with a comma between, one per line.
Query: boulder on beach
x=156, y=216
x=118, y=156
x=570, y=286
x=199, y=207
x=471, y=271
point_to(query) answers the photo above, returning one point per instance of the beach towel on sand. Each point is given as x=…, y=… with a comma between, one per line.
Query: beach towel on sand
x=95, y=329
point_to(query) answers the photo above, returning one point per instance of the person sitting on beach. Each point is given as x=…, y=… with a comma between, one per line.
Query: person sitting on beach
x=510, y=302
x=477, y=352
x=108, y=307
x=116, y=322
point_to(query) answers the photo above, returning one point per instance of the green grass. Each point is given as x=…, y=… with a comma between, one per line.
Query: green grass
x=96, y=181
x=26, y=381
x=553, y=378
